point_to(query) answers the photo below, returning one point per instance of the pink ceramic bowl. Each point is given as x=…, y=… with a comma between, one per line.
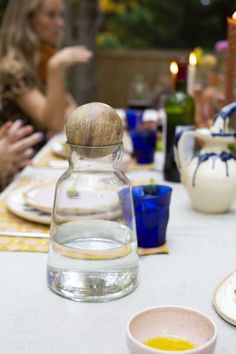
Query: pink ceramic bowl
x=171, y=321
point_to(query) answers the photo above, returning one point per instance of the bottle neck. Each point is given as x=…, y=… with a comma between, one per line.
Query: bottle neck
x=181, y=85
x=80, y=158
x=181, y=79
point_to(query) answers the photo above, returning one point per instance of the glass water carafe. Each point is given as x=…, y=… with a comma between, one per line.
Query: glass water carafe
x=93, y=248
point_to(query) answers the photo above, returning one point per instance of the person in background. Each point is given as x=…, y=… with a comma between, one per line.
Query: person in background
x=32, y=69
x=16, y=149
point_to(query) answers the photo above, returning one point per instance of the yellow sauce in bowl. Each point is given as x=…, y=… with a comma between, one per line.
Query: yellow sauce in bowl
x=170, y=343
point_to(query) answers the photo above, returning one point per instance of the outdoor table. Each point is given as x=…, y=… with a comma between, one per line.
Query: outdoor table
x=34, y=320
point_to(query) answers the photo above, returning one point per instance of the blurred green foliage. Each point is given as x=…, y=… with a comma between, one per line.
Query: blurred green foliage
x=168, y=24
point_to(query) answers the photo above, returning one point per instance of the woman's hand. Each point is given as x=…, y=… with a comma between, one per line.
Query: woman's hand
x=50, y=110
x=69, y=56
x=16, y=142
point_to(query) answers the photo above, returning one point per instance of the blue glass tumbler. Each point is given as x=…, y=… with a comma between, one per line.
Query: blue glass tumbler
x=144, y=145
x=151, y=206
x=133, y=118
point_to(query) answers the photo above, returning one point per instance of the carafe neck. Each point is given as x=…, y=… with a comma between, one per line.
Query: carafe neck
x=83, y=158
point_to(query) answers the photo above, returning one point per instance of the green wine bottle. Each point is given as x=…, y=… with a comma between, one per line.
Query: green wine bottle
x=179, y=108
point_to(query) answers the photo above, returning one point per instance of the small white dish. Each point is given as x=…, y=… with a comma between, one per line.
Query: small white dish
x=171, y=321
x=224, y=298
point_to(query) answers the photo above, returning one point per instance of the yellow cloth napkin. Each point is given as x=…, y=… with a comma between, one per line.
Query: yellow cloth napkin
x=155, y=250
x=12, y=223
x=24, y=244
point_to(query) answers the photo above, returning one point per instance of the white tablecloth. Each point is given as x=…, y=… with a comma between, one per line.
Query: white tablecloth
x=33, y=320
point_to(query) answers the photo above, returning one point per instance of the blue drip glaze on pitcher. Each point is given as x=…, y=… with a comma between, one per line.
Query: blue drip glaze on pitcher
x=227, y=111
x=223, y=135
x=224, y=156
x=224, y=113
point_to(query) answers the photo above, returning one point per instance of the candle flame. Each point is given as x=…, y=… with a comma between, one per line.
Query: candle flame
x=192, y=59
x=174, y=68
x=234, y=16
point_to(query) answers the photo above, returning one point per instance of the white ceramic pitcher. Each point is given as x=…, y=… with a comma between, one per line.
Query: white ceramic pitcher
x=210, y=175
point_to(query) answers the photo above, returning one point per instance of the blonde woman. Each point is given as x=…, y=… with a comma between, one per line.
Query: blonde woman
x=31, y=70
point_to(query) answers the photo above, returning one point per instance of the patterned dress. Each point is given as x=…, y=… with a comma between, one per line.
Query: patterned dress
x=15, y=81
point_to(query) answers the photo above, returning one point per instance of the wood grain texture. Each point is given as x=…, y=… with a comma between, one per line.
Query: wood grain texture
x=96, y=126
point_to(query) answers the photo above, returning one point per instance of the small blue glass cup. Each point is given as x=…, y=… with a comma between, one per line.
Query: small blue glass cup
x=144, y=145
x=151, y=206
x=133, y=118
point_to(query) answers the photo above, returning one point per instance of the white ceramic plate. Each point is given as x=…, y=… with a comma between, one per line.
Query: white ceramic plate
x=17, y=205
x=143, y=177
x=41, y=196
x=86, y=205
x=224, y=299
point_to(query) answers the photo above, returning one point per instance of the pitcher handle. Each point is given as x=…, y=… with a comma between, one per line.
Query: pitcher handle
x=181, y=148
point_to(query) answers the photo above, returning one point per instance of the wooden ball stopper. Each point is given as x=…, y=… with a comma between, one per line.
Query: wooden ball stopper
x=95, y=128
